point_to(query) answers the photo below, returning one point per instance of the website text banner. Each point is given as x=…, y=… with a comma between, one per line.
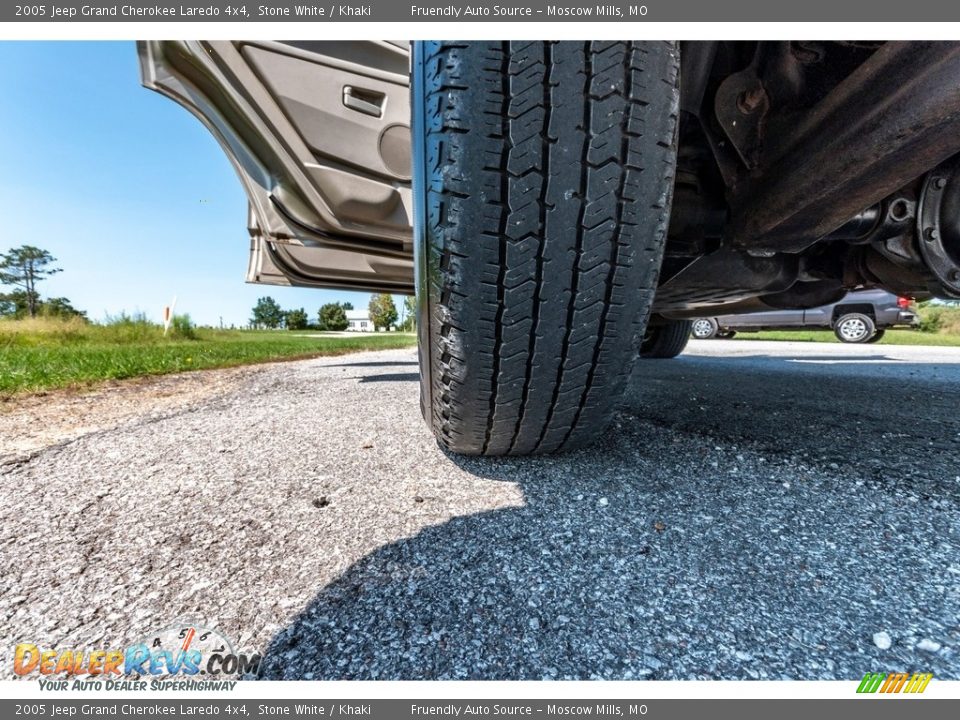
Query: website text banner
x=322, y=11
x=38, y=709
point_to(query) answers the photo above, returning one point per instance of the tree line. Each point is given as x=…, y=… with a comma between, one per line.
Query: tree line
x=23, y=268
x=382, y=311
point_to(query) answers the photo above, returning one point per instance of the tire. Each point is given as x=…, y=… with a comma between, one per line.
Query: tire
x=854, y=328
x=726, y=334
x=704, y=328
x=877, y=336
x=666, y=341
x=542, y=185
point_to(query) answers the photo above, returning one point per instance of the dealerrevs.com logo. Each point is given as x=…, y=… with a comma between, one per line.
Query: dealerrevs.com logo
x=183, y=650
x=890, y=683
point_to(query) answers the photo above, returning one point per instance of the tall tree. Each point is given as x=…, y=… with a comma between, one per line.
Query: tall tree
x=333, y=316
x=24, y=267
x=383, y=312
x=267, y=313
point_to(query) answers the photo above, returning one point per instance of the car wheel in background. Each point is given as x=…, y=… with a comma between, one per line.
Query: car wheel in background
x=667, y=340
x=542, y=185
x=877, y=336
x=854, y=328
x=726, y=334
x=705, y=328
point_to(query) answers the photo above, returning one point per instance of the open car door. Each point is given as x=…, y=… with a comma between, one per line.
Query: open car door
x=319, y=134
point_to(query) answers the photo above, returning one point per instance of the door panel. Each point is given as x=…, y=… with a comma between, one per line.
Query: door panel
x=359, y=268
x=339, y=113
x=319, y=135
x=818, y=316
x=782, y=318
x=766, y=319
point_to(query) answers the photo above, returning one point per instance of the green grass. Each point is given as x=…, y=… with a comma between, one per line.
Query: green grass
x=892, y=337
x=38, y=355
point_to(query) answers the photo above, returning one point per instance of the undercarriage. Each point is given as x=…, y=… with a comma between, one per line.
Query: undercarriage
x=809, y=168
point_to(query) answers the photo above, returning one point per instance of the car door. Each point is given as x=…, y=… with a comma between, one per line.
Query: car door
x=785, y=318
x=319, y=135
x=819, y=316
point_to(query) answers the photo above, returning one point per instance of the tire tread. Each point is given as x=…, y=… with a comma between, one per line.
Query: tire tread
x=548, y=174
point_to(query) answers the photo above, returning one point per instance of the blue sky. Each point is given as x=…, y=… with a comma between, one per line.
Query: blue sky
x=125, y=188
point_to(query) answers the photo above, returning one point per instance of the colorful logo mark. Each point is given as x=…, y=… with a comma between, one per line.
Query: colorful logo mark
x=894, y=682
x=184, y=648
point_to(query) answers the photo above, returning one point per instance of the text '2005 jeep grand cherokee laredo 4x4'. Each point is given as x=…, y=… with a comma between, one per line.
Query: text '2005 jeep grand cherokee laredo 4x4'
x=556, y=204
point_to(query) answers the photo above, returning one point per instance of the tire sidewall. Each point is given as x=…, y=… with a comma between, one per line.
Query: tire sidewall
x=421, y=253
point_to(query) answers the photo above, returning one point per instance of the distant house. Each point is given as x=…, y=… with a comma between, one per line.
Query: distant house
x=359, y=321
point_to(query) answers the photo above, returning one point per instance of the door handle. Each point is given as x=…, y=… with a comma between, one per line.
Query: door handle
x=368, y=102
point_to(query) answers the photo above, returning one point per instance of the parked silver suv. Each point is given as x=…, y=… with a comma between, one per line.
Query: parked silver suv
x=860, y=317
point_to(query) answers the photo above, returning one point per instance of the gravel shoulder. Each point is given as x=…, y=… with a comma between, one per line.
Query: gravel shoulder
x=759, y=510
x=30, y=423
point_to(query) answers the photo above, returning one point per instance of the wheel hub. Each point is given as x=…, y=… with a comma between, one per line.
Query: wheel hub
x=938, y=224
x=702, y=328
x=853, y=329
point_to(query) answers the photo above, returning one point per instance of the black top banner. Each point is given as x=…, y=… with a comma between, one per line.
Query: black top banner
x=323, y=11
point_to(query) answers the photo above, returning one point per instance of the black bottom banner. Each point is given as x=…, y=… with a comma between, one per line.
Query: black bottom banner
x=874, y=708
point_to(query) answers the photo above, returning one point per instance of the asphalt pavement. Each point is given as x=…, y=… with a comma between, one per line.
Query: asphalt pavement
x=758, y=510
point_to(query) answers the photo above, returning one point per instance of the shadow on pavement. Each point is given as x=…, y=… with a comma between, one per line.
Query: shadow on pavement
x=385, y=363
x=389, y=377
x=738, y=521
